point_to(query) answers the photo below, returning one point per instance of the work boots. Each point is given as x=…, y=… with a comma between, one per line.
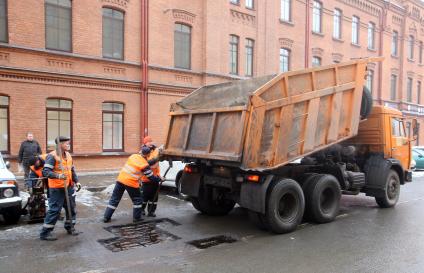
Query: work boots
x=73, y=232
x=48, y=237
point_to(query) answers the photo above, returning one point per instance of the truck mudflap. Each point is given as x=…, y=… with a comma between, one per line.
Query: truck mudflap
x=253, y=195
x=190, y=183
x=408, y=176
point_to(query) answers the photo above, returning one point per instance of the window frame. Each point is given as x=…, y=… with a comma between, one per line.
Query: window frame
x=123, y=32
x=190, y=46
x=235, y=2
x=320, y=25
x=411, y=47
x=252, y=55
x=369, y=83
x=339, y=25
x=409, y=86
x=419, y=86
x=315, y=64
x=252, y=6
x=237, y=54
x=371, y=43
x=420, y=52
x=6, y=24
x=71, y=130
x=123, y=126
x=357, y=30
x=8, y=122
x=71, y=48
x=289, y=3
x=393, y=86
x=288, y=59
x=395, y=43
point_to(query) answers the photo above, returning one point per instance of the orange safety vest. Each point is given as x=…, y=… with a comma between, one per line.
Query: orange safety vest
x=39, y=172
x=133, y=170
x=67, y=170
x=155, y=167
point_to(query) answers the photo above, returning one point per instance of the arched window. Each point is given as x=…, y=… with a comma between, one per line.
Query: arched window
x=59, y=120
x=182, y=46
x=113, y=126
x=58, y=24
x=369, y=83
x=355, y=30
x=395, y=38
x=286, y=10
x=249, y=57
x=234, y=54
x=113, y=33
x=284, y=59
x=337, y=24
x=317, y=17
x=4, y=124
x=371, y=35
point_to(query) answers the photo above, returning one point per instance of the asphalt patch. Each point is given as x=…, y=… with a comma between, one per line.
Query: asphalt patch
x=141, y=234
x=212, y=241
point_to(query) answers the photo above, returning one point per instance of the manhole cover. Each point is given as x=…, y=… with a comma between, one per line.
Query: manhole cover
x=138, y=235
x=212, y=241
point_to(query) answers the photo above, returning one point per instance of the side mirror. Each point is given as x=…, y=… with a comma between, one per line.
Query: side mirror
x=415, y=129
x=7, y=163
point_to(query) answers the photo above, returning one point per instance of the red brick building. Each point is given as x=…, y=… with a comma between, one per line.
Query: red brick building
x=98, y=69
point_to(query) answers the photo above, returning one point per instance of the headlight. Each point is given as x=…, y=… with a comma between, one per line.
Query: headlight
x=8, y=193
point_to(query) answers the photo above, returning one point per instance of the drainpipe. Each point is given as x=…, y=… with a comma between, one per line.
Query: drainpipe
x=307, y=33
x=380, y=52
x=402, y=60
x=144, y=69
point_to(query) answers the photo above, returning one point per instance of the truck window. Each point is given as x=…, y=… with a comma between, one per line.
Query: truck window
x=402, y=129
x=395, y=127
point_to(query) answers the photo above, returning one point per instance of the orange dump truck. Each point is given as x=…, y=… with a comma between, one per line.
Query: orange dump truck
x=287, y=146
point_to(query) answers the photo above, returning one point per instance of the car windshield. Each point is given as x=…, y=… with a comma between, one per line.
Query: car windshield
x=418, y=151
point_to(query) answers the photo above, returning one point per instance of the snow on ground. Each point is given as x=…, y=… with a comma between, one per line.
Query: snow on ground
x=417, y=174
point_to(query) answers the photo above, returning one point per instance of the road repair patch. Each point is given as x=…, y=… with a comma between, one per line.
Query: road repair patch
x=141, y=234
x=212, y=241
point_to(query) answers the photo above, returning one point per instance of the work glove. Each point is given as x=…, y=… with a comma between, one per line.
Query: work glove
x=62, y=176
x=161, y=148
x=78, y=186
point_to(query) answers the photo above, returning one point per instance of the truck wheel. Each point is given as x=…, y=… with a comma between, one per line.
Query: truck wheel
x=12, y=215
x=391, y=192
x=306, y=178
x=322, y=196
x=206, y=204
x=285, y=206
x=258, y=219
x=366, y=104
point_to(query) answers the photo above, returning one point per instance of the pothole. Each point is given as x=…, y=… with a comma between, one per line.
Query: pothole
x=212, y=241
x=138, y=235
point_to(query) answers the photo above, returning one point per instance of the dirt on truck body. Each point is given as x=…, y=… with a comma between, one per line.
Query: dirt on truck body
x=241, y=137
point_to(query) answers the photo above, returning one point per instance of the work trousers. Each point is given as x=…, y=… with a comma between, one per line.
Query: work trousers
x=57, y=201
x=150, y=196
x=117, y=193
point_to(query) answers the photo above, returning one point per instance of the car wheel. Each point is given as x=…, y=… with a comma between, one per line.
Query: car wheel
x=12, y=215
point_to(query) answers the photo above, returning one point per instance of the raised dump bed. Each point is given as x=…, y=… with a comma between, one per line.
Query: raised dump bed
x=267, y=122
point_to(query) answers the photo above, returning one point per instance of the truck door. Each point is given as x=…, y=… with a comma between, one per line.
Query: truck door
x=400, y=148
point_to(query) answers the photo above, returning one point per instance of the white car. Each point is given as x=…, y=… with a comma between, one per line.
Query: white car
x=172, y=178
x=10, y=200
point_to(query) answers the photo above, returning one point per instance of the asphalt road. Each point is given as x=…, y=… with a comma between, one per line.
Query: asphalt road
x=363, y=238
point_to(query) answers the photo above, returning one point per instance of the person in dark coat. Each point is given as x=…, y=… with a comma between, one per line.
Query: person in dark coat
x=29, y=149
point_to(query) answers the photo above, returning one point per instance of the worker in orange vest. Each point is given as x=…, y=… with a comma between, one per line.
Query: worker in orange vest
x=150, y=196
x=129, y=180
x=35, y=173
x=59, y=169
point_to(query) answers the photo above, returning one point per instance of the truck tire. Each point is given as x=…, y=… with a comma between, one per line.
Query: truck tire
x=284, y=206
x=305, y=179
x=322, y=198
x=205, y=203
x=366, y=103
x=392, y=191
x=12, y=215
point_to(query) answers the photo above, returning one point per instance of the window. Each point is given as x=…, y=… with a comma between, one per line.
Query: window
x=249, y=57
x=393, y=85
x=420, y=52
x=113, y=129
x=284, y=60
x=418, y=92
x=59, y=24
x=59, y=120
x=337, y=24
x=411, y=41
x=397, y=128
x=234, y=41
x=371, y=35
x=355, y=30
x=409, y=90
x=286, y=10
x=113, y=34
x=370, y=80
x=4, y=124
x=316, y=61
x=317, y=17
x=3, y=21
x=182, y=46
x=395, y=38
x=249, y=4
x=236, y=2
